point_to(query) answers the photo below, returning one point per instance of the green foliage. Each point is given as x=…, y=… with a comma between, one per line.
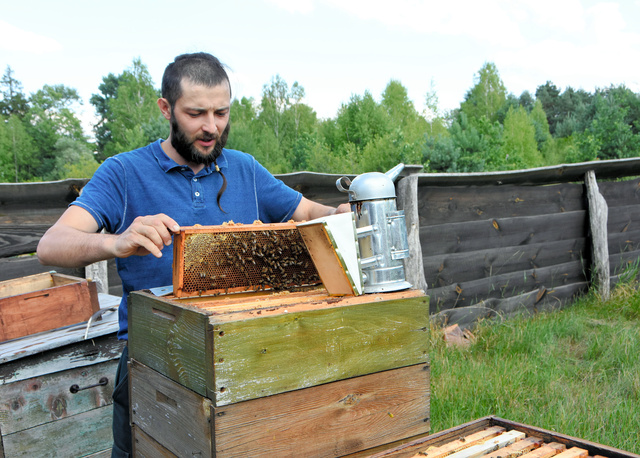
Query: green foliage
x=17, y=152
x=41, y=137
x=129, y=115
x=487, y=96
x=520, y=146
x=73, y=159
x=574, y=371
x=14, y=102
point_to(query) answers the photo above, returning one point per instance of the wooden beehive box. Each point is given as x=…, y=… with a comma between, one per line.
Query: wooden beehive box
x=43, y=302
x=494, y=437
x=285, y=374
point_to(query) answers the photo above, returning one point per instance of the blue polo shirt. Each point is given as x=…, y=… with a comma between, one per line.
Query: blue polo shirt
x=147, y=182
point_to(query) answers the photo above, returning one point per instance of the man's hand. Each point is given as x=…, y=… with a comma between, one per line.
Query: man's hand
x=146, y=235
x=73, y=241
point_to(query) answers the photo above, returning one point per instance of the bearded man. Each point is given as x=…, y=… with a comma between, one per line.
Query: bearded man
x=140, y=197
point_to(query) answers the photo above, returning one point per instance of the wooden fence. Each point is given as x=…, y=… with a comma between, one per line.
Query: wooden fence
x=482, y=244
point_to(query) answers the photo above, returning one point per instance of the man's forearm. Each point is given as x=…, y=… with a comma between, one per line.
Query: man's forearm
x=67, y=247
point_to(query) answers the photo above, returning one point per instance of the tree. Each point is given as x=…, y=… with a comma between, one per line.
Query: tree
x=612, y=127
x=129, y=115
x=520, y=147
x=13, y=102
x=108, y=91
x=541, y=125
x=287, y=122
x=73, y=159
x=487, y=95
x=16, y=151
x=50, y=117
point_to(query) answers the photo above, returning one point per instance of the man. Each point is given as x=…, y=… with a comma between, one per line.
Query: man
x=140, y=197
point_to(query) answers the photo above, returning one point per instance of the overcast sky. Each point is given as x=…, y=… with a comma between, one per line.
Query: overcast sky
x=333, y=48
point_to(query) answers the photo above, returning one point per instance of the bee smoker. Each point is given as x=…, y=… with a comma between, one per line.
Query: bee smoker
x=381, y=229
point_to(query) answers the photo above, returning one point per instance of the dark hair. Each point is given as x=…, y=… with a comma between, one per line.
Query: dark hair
x=199, y=68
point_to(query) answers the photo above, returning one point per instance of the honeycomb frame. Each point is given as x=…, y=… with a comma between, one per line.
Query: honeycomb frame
x=231, y=258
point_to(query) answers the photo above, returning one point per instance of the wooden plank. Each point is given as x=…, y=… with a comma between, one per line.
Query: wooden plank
x=502, y=232
x=621, y=193
x=408, y=201
x=461, y=443
x=619, y=263
x=598, y=213
x=329, y=420
x=446, y=269
x=440, y=205
x=53, y=440
x=174, y=340
x=176, y=417
x=260, y=357
x=506, y=285
x=546, y=451
x=144, y=446
x=623, y=219
x=517, y=449
x=47, y=397
x=20, y=239
x=97, y=350
x=562, y=173
x=573, y=452
x=623, y=242
x=490, y=445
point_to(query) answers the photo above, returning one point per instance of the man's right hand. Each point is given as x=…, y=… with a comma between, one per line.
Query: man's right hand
x=146, y=235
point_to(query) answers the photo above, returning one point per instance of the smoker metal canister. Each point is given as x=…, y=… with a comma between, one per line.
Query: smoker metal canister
x=381, y=229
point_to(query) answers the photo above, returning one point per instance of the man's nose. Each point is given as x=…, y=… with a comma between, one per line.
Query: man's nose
x=209, y=124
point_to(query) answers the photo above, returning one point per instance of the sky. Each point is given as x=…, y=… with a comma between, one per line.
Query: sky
x=334, y=49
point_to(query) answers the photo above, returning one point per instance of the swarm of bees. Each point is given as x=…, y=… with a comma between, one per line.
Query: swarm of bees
x=251, y=260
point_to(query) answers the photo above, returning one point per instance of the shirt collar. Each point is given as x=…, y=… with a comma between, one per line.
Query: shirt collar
x=167, y=164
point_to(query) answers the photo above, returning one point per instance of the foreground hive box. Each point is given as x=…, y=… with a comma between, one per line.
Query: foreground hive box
x=43, y=302
x=493, y=437
x=280, y=374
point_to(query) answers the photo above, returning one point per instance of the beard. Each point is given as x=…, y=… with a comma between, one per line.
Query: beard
x=186, y=146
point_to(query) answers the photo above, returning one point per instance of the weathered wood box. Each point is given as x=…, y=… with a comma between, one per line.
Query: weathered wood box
x=494, y=437
x=278, y=374
x=43, y=302
x=55, y=389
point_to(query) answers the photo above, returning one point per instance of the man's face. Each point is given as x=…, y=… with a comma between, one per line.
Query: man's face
x=200, y=122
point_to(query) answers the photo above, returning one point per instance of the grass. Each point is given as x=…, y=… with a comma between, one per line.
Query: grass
x=575, y=371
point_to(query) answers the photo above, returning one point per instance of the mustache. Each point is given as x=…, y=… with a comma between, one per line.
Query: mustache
x=209, y=137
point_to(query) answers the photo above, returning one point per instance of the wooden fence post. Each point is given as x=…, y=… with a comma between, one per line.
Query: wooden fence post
x=598, y=214
x=408, y=201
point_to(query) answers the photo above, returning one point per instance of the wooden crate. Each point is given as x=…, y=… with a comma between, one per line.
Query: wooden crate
x=43, y=302
x=479, y=439
x=330, y=420
x=236, y=348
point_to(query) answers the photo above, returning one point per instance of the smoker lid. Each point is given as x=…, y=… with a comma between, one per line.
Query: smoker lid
x=368, y=186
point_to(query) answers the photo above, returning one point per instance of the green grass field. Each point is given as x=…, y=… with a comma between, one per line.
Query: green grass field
x=575, y=371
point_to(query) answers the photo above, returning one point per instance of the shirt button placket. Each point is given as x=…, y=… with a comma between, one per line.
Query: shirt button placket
x=196, y=189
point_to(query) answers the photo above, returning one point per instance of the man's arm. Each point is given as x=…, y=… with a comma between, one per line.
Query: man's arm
x=308, y=210
x=73, y=241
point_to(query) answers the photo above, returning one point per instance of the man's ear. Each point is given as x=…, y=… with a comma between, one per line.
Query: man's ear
x=165, y=108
